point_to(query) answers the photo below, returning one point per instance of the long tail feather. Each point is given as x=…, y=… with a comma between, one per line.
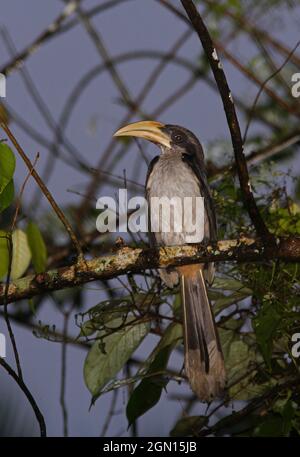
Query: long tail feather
x=204, y=362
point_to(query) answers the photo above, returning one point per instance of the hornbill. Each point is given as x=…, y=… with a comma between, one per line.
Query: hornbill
x=179, y=171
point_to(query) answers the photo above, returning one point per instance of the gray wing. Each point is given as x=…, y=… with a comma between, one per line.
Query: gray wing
x=194, y=163
x=153, y=162
x=197, y=166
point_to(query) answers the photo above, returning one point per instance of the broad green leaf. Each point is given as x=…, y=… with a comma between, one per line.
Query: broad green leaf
x=189, y=426
x=37, y=247
x=100, y=367
x=7, y=165
x=21, y=254
x=148, y=392
x=172, y=337
x=4, y=255
x=7, y=196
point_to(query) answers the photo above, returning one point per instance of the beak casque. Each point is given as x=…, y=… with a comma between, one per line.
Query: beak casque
x=149, y=130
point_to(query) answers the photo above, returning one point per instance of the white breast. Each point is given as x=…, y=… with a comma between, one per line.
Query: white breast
x=172, y=178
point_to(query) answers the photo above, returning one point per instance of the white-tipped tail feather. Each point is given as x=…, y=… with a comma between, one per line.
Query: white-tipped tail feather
x=204, y=362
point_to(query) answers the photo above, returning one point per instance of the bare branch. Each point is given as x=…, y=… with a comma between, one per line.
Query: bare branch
x=261, y=154
x=43, y=37
x=245, y=25
x=233, y=123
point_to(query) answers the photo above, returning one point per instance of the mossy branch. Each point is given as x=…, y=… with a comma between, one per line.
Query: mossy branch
x=136, y=260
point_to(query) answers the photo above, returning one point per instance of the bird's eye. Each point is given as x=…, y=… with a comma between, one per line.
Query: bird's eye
x=178, y=138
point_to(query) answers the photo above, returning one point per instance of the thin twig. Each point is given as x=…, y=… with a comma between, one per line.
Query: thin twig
x=44, y=189
x=271, y=150
x=101, y=48
x=232, y=120
x=64, y=374
x=19, y=200
x=42, y=38
x=39, y=102
x=278, y=70
x=39, y=416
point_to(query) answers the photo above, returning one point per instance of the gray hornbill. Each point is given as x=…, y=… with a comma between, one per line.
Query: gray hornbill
x=179, y=171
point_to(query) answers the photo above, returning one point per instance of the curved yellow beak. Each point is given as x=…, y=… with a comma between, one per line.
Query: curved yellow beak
x=149, y=130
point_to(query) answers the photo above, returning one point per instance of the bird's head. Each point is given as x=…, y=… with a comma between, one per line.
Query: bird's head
x=166, y=136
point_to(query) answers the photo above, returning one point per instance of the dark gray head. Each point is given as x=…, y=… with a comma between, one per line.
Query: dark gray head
x=167, y=136
x=183, y=140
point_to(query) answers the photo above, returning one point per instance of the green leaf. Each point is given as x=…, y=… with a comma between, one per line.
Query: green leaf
x=4, y=254
x=7, y=195
x=88, y=328
x=100, y=367
x=229, y=426
x=227, y=300
x=172, y=337
x=21, y=254
x=7, y=165
x=237, y=364
x=225, y=283
x=227, y=336
x=177, y=309
x=108, y=310
x=37, y=247
x=287, y=409
x=238, y=359
x=103, y=313
x=272, y=426
x=189, y=426
x=99, y=322
x=265, y=325
x=148, y=392
x=288, y=414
